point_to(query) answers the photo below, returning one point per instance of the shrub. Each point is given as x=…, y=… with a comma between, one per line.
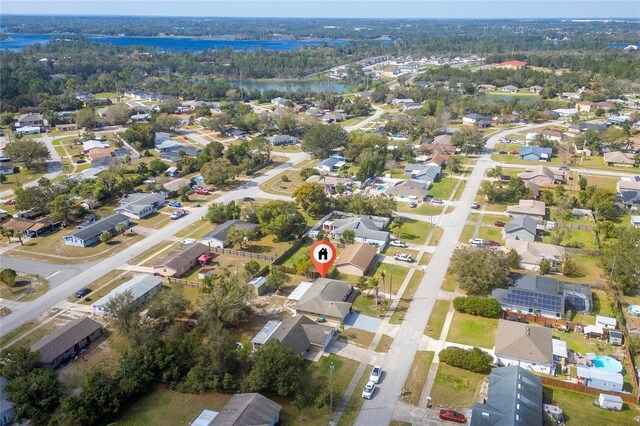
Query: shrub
x=475, y=359
x=307, y=172
x=479, y=306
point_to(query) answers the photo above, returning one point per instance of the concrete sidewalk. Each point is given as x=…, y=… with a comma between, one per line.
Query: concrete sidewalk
x=356, y=353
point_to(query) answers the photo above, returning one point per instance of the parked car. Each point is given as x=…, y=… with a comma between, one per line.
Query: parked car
x=202, y=192
x=475, y=205
x=187, y=241
x=82, y=292
x=376, y=373
x=368, y=390
x=10, y=202
x=563, y=168
x=177, y=214
x=413, y=205
x=398, y=243
x=476, y=241
x=513, y=152
x=437, y=201
x=502, y=152
x=452, y=416
x=174, y=204
x=403, y=257
x=248, y=199
x=491, y=243
x=500, y=224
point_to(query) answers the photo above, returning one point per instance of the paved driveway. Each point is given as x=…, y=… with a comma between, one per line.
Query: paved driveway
x=362, y=322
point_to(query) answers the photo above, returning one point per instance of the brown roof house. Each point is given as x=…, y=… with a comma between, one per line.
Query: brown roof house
x=409, y=190
x=533, y=208
x=331, y=299
x=67, y=342
x=542, y=176
x=178, y=262
x=248, y=409
x=617, y=158
x=356, y=259
x=532, y=253
x=525, y=345
x=299, y=333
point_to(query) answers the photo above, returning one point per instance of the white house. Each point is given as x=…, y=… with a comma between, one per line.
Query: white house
x=138, y=206
x=142, y=287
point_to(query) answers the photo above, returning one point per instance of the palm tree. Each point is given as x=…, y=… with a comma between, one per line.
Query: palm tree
x=382, y=275
x=18, y=234
x=120, y=228
x=375, y=284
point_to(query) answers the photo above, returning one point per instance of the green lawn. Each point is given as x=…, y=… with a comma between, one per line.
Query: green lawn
x=417, y=377
x=391, y=250
x=302, y=252
x=407, y=296
x=491, y=233
x=455, y=388
x=460, y=190
x=415, y=231
x=424, y=209
x=394, y=276
x=449, y=283
x=357, y=337
x=471, y=330
x=467, y=233
x=577, y=343
x=352, y=409
x=437, y=318
x=578, y=409
x=443, y=188
x=577, y=238
x=384, y=343
x=365, y=304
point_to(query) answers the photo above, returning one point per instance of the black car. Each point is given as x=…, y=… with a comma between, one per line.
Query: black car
x=247, y=199
x=82, y=292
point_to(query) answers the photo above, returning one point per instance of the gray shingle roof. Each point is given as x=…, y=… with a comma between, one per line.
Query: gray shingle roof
x=64, y=338
x=299, y=332
x=524, y=342
x=522, y=222
x=183, y=256
x=364, y=227
x=100, y=226
x=248, y=409
x=514, y=398
x=221, y=231
x=327, y=297
x=135, y=203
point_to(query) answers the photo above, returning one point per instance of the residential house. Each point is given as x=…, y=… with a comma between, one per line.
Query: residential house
x=141, y=287
x=367, y=229
x=299, y=333
x=91, y=234
x=248, y=409
x=536, y=89
x=31, y=228
x=514, y=398
x=617, y=120
x=509, y=88
x=161, y=137
x=630, y=199
x=66, y=127
x=477, y=120
x=356, y=259
x=334, y=117
x=428, y=174
x=552, y=135
x=331, y=299
x=67, y=341
x=598, y=378
x=176, y=155
x=169, y=145
x=534, y=188
x=533, y=208
x=512, y=65
x=175, y=185
x=278, y=140
x=527, y=346
x=330, y=164
x=565, y=112
x=94, y=144
x=102, y=157
x=506, y=118
x=236, y=134
x=485, y=87
x=178, y=262
x=617, y=158
x=631, y=183
x=7, y=413
x=532, y=253
x=330, y=182
x=546, y=296
x=30, y=120
x=522, y=227
x=409, y=190
x=139, y=206
x=439, y=160
x=218, y=236
x=140, y=118
x=535, y=153
x=281, y=102
x=543, y=176
x=441, y=145
x=583, y=127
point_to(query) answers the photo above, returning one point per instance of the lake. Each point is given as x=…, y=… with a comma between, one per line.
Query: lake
x=18, y=41
x=317, y=86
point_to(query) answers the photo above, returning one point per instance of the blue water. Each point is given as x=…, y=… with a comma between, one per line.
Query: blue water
x=18, y=41
x=199, y=180
x=622, y=45
x=607, y=364
x=316, y=86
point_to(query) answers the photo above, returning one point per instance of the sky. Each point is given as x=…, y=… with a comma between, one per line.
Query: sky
x=467, y=9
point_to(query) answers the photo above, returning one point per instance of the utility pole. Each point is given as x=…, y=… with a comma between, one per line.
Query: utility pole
x=331, y=368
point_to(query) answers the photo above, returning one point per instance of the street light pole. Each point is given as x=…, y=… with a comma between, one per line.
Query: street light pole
x=331, y=367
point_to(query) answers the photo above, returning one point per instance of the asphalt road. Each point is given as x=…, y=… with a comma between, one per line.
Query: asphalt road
x=380, y=409
x=56, y=274
x=79, y=279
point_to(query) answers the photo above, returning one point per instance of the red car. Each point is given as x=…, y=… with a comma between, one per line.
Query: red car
x=513, y=152
x=500, y=224
x=491, y=243
x=452, y=416
x=202, y=192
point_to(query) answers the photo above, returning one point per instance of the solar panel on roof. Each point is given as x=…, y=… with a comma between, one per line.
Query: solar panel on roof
x=533, y=300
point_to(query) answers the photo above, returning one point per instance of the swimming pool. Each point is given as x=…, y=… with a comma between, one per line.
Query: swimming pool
x=634, y=310
x=382, y=188
x=199, y=180
x=607, y=364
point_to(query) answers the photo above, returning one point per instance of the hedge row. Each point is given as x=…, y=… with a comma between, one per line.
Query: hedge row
x=479, y=306
x=475, y=359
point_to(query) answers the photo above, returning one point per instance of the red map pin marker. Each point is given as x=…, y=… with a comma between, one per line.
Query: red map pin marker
x=323, y=254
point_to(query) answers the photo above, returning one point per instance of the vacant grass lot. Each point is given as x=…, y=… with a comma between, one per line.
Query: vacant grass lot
x=491, y=233
x=407, y=297
x=27, y=287
x=455, y=388
x=471, y=330
x=415, y=231
x=424, y=209
x=577, y=238
x=437, y=318
x=276, y=185
x=417, y=376
x=578, y=409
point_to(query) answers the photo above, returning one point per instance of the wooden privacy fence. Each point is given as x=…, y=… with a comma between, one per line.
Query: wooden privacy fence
x=577, y=387
x=241, y=253
x=184, y=282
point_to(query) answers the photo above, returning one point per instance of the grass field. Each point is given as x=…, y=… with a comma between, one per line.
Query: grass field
x=394, y=276
x=467, y=233
x=443, y=188
x=417, y=377
x=407, y=296
x=28, y=287
x=415, y=231
x=357, y=337
x=455, y=388
x=436, y=320
x=352, y=409
x=472, y=330
x=450, y=283
x=424, y=209
x=384, y=343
